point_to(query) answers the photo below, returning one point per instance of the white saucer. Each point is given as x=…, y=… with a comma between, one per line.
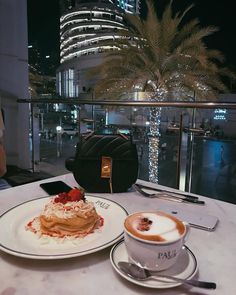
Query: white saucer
x=184, y=268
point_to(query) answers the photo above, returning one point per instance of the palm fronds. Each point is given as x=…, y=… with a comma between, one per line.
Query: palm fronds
x=162, y=53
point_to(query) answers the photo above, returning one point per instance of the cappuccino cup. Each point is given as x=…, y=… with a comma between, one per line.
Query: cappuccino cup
x=154, y=239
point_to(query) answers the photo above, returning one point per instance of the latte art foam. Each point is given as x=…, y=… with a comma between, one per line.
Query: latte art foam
x=154, y=226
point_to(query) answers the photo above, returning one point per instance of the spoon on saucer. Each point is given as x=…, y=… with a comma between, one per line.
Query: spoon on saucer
x=138, y=273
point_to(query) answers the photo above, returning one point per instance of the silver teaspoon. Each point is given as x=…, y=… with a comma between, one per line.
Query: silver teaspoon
x=141, y=274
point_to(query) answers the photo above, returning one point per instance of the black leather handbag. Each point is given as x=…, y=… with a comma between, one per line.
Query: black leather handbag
x=105, y=163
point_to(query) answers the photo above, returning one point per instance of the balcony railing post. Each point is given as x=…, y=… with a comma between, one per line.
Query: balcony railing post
x=191, y=147
x=35, y=156
x=181, y=157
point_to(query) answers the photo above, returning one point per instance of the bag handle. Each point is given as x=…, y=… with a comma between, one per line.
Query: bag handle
x=93, y=132
x=89, y=135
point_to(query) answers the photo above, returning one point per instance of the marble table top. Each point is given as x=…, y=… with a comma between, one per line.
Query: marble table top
x=94, y=274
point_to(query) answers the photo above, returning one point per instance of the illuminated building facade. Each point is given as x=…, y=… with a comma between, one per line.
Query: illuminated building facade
x=82, y=29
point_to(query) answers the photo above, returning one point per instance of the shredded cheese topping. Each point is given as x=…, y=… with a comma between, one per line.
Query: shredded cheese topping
x=68, y=210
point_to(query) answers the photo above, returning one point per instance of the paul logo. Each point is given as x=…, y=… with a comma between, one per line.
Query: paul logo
x=103, y=205
x=167, y=254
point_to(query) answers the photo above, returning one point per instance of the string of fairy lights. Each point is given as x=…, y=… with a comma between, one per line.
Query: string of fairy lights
x=154, y=140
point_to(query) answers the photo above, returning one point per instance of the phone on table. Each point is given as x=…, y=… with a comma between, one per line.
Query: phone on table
x=55, y=187
x=195, y=219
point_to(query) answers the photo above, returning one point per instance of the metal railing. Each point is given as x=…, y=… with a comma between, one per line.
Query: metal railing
x=184, y=135
x=176, y=104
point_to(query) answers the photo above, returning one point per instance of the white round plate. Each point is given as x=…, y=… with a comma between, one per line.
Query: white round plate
x=184, y=268
x=16, y=240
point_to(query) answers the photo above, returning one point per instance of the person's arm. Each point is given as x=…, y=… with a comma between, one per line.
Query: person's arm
x=3, y=166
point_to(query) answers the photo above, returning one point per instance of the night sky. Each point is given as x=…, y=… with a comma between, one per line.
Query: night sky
x=43, y=24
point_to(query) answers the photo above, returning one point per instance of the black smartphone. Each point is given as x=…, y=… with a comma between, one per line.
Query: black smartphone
x=55, y=187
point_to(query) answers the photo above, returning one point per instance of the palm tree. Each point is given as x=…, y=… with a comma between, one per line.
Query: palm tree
x=166, y=59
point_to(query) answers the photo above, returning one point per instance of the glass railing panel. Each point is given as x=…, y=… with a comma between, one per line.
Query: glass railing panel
x=57, y=128
x=213, y=170
x=207, y=153
x=196, y=146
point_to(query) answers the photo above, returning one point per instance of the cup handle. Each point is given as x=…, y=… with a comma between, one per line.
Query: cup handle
x=187, y=225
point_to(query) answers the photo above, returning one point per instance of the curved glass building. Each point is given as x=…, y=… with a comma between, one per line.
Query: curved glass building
x=82, y=29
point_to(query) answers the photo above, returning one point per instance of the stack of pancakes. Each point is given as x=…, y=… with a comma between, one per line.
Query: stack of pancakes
x=77, y=225
x=68, y=215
